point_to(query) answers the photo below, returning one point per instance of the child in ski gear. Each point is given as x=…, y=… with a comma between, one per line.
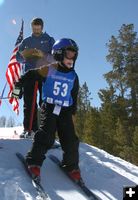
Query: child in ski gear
x=59, y=91
x=31, y=51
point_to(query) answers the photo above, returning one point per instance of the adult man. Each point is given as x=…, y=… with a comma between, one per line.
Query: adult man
x=32, y=52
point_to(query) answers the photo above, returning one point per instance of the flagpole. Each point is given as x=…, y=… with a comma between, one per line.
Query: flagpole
x=4, y=98
x=2, y=94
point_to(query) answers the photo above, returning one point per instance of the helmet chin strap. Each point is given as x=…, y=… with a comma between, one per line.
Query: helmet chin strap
x=63, y=65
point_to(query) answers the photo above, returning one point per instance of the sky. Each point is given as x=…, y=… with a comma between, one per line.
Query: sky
x=91, y=23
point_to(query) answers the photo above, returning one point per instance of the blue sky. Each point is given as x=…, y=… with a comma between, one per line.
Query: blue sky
x=89, y=22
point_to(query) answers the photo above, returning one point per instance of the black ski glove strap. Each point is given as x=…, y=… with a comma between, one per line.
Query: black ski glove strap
x=17, y=91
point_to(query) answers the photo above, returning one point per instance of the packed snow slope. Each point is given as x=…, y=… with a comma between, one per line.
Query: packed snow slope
x=103, y=173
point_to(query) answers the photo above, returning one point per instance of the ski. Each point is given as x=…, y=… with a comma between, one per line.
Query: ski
x=80, y=183
x=36, y=183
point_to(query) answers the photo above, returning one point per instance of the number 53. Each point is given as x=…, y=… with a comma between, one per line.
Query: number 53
x=60, y=88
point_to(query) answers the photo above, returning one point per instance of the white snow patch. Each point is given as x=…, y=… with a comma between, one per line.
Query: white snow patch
x=103, y=173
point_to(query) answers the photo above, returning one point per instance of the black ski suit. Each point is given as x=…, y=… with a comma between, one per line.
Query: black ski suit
x=63, y=124
x=44, y=42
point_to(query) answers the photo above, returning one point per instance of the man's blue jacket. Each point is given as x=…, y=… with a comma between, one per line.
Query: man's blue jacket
x=44, y=42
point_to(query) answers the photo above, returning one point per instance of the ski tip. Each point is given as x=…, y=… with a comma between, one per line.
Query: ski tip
x=18, y=154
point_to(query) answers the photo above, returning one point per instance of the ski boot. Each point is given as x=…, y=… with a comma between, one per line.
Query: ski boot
x=29, y=134
x=34, y=171
x=23, y=134
x=74, y=174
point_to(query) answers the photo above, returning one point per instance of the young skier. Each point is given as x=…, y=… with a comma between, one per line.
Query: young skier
x=59, y=93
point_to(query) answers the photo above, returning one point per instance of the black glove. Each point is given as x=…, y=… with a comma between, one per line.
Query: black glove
x=17, y=91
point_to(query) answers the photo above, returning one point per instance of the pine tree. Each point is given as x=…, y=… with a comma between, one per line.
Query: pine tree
x=93, y=134
x=123, y=80
x=10, y=122
x=123, y=55
x=83, y=107
x=120, y=137
x=2, y=121
x=108, y=118
x=135, y=146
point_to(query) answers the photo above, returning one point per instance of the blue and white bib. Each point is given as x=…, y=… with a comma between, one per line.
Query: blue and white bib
x=57, y=87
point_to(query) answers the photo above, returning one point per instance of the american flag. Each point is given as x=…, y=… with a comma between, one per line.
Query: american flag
x=13, y=72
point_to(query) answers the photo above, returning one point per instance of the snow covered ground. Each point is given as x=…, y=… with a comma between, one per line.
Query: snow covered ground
x=103, y=173
x=10, y=133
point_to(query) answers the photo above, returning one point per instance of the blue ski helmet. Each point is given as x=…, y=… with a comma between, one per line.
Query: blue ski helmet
x=60, y=46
